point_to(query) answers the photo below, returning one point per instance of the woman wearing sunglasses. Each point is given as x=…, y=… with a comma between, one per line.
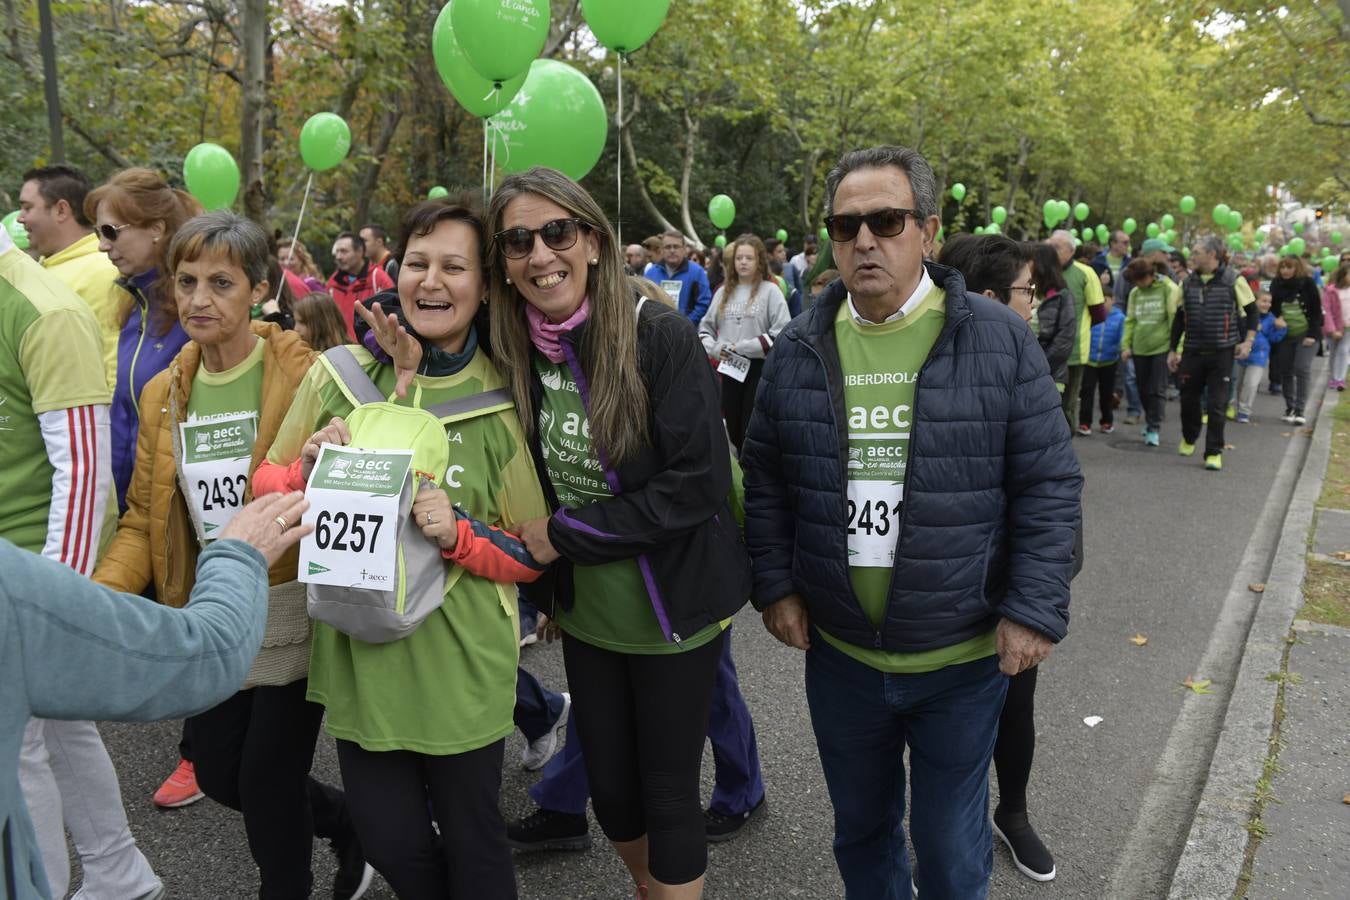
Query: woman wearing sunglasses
x=621, y=412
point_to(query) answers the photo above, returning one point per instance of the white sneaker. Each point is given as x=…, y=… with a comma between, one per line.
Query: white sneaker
x=1300, y=419
x=540, y=751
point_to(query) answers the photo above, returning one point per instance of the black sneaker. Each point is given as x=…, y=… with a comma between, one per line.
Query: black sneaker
x=354, y=873
x=1028, y=853
x=723, y=828
x=547, y=829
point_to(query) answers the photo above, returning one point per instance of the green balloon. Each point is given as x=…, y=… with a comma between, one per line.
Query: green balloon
x=1170, y=235
x=1185, y=252
x=1336, y=238
x=958, y=192
x=1220, y=214
x=1297, y=246
x=1284, y=250
x=1128, y=226
x=1298, y=228
x=979, y=229
x=1329, y=263
x=1080, y=212
x=557, y=120
x=475, y=93
x=622, y=25
x=212, y=176
x=1234, y=220
x=1152, y=229
x=1063, y=210
x=324, y=141
x=781, y=234
x=17, y=232
x=823, y=234
x=992, y=228
x=1187, y=205
x=437, y=193
x=722, y=211
x=720, y=241
x=1103, y=233
x=941, y=233
x=1168, y=221
x=500, y=38
x=1050, y=211
x=999, y=214
x=1235, y=241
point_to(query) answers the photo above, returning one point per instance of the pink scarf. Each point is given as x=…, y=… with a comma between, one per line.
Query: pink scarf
x=547, y=336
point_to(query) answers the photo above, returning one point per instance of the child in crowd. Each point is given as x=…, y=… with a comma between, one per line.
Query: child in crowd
x=1253, y=368
x=1100, y=372
x=1150, y=307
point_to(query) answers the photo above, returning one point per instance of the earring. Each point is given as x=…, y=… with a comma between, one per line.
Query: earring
x=596, y=261
x=508, y=280
x=155, y=241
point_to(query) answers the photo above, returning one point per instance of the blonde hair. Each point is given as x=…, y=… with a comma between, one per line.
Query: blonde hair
x=323, y=319
x=651, y=290
x=733, y=278
x=618, y=404
x=301, y=252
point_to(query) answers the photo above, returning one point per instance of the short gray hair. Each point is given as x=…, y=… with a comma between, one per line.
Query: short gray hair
x=240, y=239
x=922, y=181
x=1214, y=244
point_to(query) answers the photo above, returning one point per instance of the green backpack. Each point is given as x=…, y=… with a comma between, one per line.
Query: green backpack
x=375, y=423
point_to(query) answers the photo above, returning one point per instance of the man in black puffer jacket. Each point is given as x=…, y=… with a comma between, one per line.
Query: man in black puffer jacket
x=911, y=503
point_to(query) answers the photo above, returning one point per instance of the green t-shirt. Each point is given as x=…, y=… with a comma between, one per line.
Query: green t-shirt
x=236, y=390
x=881, y=366
x=1087, y=291
x=613, y=609
x=449, y=687
x=1148, y=317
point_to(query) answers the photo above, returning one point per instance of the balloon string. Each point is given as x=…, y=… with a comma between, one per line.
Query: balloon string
x=486, y=125
x=618, y=159
x=295, y=237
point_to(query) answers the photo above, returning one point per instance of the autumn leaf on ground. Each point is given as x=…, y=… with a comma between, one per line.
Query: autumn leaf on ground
x=1200, y=686
x=1346, y=798
x=1230, y=446
x=1343, y=555
x=1306, y=431
x=1138, y=640
x=1258, y=588
x=1286, y=434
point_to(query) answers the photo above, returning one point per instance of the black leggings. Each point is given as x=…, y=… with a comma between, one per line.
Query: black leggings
x=388, y=792
x=738, y=401
x=1098, y=380
x=642, y=721
x=1016, y=744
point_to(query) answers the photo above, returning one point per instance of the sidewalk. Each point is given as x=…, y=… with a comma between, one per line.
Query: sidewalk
x=1271, y=821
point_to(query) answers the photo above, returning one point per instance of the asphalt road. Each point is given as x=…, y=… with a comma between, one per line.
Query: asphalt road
x=1163, y=538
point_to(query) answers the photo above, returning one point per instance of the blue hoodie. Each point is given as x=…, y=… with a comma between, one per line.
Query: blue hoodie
x=695, y=295
x=1104, y=348
x=140, y=357
x=1266, y=335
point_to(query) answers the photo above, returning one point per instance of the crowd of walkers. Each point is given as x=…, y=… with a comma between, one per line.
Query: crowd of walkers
x=871, y=441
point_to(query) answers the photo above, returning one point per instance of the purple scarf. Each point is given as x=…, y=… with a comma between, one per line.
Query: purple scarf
x=547, y=336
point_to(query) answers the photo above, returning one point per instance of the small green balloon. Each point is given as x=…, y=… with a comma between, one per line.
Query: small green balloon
x=1103, y=233
x=622, y=25
x=720, y=241
x=999, y=214
x=1329, y=263
x=823, y=234
x=1170, y=235
x=437, y=193
x=212, y=176
x=1298, y=228
x=1152, y=229
x=978, y=229
x=781, y=234
x=1336, y=238
x=992, y=228
x=1080, y=212
x=1297, y=246
x=324, y=141
x=1284, y=250
x=1168, y=221
x=722, y=211
x=1128, y=226
x=1220, y=214
x=1187, y=205
x=1050, y=211
x=1234, y=220
x=1063, y=209
x=941, y=233
x=958, y=192
x=500, y=38
x=17, y=232
x=1185, y=252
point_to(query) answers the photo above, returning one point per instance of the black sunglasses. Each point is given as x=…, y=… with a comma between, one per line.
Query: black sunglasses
x=882, y=223
x=560, y=234
x=110, y=232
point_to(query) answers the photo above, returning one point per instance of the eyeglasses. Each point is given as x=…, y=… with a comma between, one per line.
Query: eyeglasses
x=560, y=234
x=843, y=228
x=1029, y=288
x=110, y=232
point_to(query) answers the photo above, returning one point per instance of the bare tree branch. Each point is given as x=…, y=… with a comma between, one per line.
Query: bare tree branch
x=646, y=198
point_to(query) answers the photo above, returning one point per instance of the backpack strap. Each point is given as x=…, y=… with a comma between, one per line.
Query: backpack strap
x=472, y=406
x=353, y=380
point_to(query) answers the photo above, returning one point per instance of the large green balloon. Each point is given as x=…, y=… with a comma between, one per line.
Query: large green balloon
x=624, y=25
x=958, y=192
x=437, y=193
x=479, y=95
x=324, y=141
x=1187, y=205
x=1337, y=237
x=722, y=211
x=999, y=214
x=1152, y=229
x=1128, y=226
x=1168, y=221
x=1080, y=212
x=557, y=120
x=1062, y=209
x=500, y=37
x=1102, y=232
x=212, y=176
x=17, y=232
x=781, y=234
x=1220, y=214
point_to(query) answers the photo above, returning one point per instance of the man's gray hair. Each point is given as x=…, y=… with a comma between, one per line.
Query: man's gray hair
x=1214, y=244
x=1061, y=237
x=240, y=239
x=922, y=181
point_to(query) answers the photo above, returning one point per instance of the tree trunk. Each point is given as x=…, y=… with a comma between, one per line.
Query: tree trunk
x=370, y=178
x=252, y=122
x=808, y=181
x=690, y=150
x=646, y=198
x=51, y=90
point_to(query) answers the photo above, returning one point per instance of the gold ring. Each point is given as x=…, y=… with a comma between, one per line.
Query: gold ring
x=281, y=520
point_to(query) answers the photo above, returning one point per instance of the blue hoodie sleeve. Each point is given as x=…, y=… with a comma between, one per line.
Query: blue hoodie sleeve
x=701, y=296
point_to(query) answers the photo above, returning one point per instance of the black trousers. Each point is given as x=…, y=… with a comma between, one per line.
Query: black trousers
x=388, y=793
x=1101, y=382
x=642, y=721
x=1198, y=372
x=738, y=401
x=253, y=753
x=1150, y=373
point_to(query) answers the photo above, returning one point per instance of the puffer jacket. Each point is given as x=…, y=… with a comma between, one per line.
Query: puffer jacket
x=1104, y=348
x=155, y=540
x=1057, y=321
x=992, y=488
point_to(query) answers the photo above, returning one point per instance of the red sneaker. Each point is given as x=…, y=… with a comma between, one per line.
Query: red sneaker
x=180, y=788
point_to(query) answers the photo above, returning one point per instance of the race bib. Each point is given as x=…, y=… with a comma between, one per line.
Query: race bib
x=734, y=366
x=672, y=289
x=216, y=456
x=354, y=508
x=873, y=522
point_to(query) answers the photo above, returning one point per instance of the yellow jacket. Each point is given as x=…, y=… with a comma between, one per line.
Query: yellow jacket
x=155, y=540
x=86, y=270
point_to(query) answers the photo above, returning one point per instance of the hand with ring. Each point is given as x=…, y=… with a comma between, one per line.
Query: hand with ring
x=432, y=512
x=271, y=524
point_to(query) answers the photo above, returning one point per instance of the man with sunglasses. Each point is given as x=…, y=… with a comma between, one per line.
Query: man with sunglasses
x=682, y=278
x=912, y=497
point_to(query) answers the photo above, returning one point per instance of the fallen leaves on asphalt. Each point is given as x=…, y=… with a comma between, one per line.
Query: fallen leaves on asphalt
x=1343, y=555
x=1230, y=446
x=1258, y=588
x=1138, y=640
x=1346, y=798
x=1198, y=686
x=1286, y=434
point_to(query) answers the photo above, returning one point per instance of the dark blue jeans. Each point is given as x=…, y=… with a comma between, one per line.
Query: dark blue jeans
x=537, y=708
x=863, y=719
x=737, y=782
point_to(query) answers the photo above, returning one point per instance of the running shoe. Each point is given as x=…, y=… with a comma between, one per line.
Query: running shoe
x=1186, y=449
x=1214, y=462
x=1028, y=853
x=1084, y=431
x=1107, y=428
x=179, y=789
x=541, y=750
x=719, y=827
x=1151, y=438
x=548, y=829
x=1243, y=419
x=1300, y=419
x=1288, y=417
x=354, y=874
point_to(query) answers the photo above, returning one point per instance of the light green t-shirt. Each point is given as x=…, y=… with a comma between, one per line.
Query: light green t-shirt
x=1087, y=291
x=881, y=366
x=613, y=609
x=449, y=687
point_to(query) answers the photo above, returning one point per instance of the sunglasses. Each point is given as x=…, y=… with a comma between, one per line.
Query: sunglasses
x=110, y=232
x=882, y=223
x=560, y=234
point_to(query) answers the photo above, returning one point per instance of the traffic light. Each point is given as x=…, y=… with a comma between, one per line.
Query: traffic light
x=1320, y=212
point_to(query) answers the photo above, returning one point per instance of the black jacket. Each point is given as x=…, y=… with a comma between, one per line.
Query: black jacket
x=992, y=487
x=670, y=512
x=1302, y=291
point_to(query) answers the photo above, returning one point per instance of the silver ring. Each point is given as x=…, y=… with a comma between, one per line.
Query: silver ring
x=281, y=520
x=430, y=520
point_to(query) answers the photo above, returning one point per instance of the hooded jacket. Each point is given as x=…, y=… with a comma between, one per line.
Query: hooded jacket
x=87, y=271
x=349, y=290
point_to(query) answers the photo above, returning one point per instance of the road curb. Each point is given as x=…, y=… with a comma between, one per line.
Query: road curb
x=1212, y=859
